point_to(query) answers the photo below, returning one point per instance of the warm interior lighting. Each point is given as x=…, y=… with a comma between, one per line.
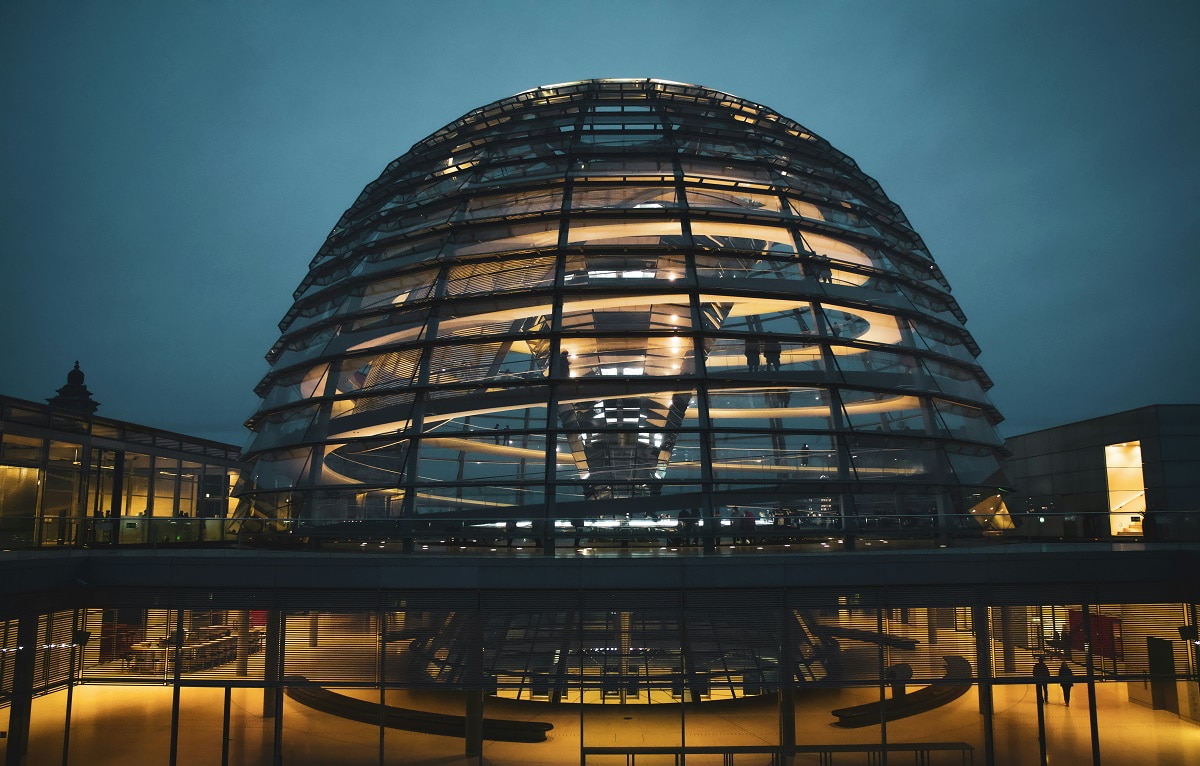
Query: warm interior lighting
x=601, y=309
x=1126, y=488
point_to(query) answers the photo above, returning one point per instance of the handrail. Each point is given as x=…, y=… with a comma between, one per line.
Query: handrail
x=494, y=532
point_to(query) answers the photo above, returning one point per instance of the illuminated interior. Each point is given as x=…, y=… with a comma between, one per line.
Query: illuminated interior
x=71, y=479
x=625, y=289
x=1126, y=487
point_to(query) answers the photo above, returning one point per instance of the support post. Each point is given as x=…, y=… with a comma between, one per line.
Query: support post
x=225, y=726
x=1091, y=683
x=881, y=654
x=22, y=697
x=242, y=631
x=1011, y=633
x=983, y=671
x=474, y=728
x=271, y=662
x=76, y=653
x=177, y=650
x=474, y=684
x=1041, y=718
x=787, y=691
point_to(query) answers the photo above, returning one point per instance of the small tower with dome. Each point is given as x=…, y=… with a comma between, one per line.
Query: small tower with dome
x=75, y=395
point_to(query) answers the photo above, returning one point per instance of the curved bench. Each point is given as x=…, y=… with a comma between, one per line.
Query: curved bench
x=920, y=701
x=869, y=636
x=444, y=724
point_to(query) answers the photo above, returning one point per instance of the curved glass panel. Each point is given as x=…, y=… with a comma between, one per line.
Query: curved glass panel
x=609, y=302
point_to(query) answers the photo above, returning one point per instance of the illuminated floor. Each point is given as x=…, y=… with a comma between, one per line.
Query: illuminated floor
x=131, y=724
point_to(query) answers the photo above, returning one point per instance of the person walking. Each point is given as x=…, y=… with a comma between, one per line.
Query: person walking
x=772, y=350
x=1041, y=677
x=746, y=527
x=1066, y=679
x=752, y=354
x=687, y=527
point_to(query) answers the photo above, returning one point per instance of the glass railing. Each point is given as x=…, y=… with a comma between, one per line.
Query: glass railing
x=60, y=531
x=647, y=532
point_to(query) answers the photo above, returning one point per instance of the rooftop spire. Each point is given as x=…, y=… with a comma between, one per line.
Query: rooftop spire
x=75, y=395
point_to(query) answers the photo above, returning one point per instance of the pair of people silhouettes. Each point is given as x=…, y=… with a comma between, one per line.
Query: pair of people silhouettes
x=771, y=351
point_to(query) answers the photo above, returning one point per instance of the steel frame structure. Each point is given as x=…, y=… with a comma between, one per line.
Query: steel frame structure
x=624, y=299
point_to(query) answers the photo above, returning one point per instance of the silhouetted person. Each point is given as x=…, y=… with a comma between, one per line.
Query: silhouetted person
x=752, y=355
x=824, y=273
x=745, y=527
x=1066, y=679
x=1041, y=677
x=771, y=353
x=687, y=526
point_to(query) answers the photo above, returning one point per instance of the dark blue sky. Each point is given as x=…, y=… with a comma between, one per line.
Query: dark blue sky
x=167, y=170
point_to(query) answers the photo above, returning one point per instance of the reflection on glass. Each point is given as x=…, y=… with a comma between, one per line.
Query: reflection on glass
x=628, y=298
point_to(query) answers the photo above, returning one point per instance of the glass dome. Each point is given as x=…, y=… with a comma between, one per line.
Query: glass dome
x=623, y=301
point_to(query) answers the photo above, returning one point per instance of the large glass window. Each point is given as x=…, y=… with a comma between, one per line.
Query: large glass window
x=617, y=269
x=18, y=504
x=629, y=197
x=23, y=449
x=61, y=505
x=1126, y=487
x=739, y=673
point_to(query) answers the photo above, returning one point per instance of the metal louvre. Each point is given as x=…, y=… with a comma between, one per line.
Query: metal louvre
x=1140, y=639
x=661, y=601
x=8, y=657
x=329, y=600
x=332, y=647
x=943, y=595
x=53, y=650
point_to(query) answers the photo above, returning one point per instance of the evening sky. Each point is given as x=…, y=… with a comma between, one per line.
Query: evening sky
x=167, y=170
